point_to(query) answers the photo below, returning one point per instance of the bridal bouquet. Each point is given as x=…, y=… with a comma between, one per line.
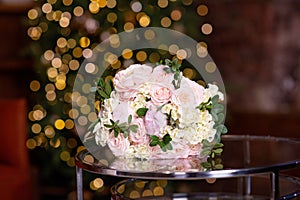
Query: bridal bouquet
x=156, y=113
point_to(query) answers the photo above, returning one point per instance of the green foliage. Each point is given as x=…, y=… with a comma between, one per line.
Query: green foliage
x=174, y=67
x=124, y=128
x=141, y=112
x=103, y=89
x=164, y=143
x=213, y=151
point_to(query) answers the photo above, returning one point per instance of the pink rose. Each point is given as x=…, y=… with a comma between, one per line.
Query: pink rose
x=154, y=120
x=118, y=145
x=160, y=94
x=159, y=75
x=197, y=89
x=122, y=112
x=140, y=137
x=184, y=95
x=128, y=81
x=180, y=150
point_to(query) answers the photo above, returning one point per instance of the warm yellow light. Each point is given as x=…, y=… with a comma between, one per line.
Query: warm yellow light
x=111, y=17
x=36, y=128
x=31, y=143
x=51, y=95
x=141, y=56
x=189, y=73
x=206, y=29
x=128, y=27
x=61, y=42
x=56, y=62
x=94, y=7
x=84, y=42
x=162, y=3
x=59, y=124
x=77, y=52
x=35, y=85
x=154, y=57
x=127, y=53
x=210, y=67
x=78, y=11
x=47, y=8
x=111, y=3
x=67, y=2
x=38, y=115
x=49, y=131
x=202, y=10
x=158, y=191
x=165, y=22
x=49, y=55
x=64, y=155
x=74, y=64
x=32, y=14
x=71, y=43
x=176, y=15
x=144, y=21
x=64, y=22
x=60, y=84
x=101, y=3
x=73, y=113
x=52, y=72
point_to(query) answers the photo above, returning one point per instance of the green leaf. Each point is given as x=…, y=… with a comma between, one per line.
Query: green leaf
x=154, y=138
x=218, y=151
x=205, y=152
x=134, y=128
x=206, y=165
x=215, y=99
x=103, y=94
x=141, y=112
x=218, y=108
x=218, y=166
x=221, y=117
x=101, y=82
x=206, y=143
x=129, y=119
x=218, y=145
x=167, y=138
x=169, y=146
x=108, y=88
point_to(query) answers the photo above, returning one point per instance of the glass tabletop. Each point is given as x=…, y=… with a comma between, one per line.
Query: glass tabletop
x=242, y=155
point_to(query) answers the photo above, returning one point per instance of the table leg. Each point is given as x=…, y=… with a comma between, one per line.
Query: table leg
x=79, y=182
x=275, y=185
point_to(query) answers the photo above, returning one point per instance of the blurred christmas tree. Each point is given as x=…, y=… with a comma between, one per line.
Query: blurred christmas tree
x=63, y=34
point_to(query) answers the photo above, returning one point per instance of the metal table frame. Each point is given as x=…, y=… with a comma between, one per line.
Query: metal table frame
x=273, y=170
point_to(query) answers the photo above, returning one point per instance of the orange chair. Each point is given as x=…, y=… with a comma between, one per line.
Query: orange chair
x=14, y=161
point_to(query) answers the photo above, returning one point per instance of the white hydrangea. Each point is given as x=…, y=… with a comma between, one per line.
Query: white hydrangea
x=212, y=91
x=175, y=133
x=138, y=102
x=173, y=109
x=101, y=134
x=138, y=151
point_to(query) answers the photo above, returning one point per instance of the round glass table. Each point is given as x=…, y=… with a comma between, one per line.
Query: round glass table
x=250, y=162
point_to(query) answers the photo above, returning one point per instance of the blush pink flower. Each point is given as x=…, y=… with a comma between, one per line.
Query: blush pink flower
x=184, y=95
x=128, y=81
x=160, y=94
x=118, y=145
x=154, y=120
x=159, y=75
x=140, y=137
x=122, y=112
